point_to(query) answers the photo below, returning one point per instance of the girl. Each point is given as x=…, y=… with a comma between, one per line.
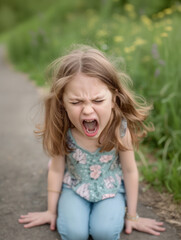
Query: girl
x=92, y=122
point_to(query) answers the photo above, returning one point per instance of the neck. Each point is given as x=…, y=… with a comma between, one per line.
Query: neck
x=87, y=143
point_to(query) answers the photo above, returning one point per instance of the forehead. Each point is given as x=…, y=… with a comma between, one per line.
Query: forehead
x=85, y=86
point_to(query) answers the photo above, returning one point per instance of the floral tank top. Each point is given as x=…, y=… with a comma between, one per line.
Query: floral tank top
x=94, y=176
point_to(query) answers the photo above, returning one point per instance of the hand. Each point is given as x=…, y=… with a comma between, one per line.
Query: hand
x=38, y=218
x=147, y=225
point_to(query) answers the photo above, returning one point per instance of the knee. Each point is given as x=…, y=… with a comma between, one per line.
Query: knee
x=72, y=231
x=103, y=233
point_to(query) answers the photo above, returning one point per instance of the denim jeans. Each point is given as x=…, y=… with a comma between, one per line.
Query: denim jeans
x=79, y=218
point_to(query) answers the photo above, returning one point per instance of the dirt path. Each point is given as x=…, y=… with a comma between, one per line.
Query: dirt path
x=23, y=165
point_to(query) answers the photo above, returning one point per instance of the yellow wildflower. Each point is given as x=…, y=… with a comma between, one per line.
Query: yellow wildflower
x=139, y=42
x=146, y=59
x=168, y=28
x=129, y=49
x=179, y=8
x=146, y=20
x=164, y=34
x=118, y=39
x=101, y=33
x=168, y=11
x=160, y=15
x=129, y=7
x=158, y=41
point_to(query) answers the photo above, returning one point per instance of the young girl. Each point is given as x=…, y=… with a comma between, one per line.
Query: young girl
x=92, y=122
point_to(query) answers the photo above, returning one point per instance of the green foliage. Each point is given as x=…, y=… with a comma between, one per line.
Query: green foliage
x=13, y=12
x=151, y=7
x=147, y=48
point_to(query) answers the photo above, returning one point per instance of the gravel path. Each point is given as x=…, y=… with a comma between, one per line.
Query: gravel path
x=23, y=165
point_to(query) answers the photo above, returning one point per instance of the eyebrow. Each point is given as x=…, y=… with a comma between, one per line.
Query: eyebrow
x=80, y=99
x=75, y=99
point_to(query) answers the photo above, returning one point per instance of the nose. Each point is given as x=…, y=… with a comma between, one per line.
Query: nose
x=87, y=109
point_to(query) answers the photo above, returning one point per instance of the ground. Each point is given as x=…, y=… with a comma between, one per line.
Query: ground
x=23, y=165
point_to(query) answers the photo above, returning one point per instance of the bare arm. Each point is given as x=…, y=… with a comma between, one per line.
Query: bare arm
x=131, y=179
x=55, y=178
x=130, y=174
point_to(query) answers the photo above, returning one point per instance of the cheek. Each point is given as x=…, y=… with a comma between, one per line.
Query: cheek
x=73, y=113
x=105, y=111
x=108, y=105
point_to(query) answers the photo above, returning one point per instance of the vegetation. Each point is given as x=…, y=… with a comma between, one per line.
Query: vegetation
x=145, y=39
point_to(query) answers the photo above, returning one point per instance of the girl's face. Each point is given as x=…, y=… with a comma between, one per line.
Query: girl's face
x=88, y=103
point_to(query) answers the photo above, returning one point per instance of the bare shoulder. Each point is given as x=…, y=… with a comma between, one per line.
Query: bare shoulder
x=58, y=161
x=126, y=140
x=127, y=158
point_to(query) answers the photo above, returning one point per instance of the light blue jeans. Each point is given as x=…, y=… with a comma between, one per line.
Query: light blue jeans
x=79, y=218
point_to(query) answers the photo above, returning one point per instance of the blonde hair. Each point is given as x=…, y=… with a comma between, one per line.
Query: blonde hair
x=93, y=63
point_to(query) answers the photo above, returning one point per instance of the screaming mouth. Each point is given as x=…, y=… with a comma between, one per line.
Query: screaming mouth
x=90, y=126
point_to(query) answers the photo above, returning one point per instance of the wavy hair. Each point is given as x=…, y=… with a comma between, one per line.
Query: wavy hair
x=93, y=63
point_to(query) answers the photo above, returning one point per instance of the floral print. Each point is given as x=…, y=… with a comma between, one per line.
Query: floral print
x=118, y=178
x=95, y=171
x=106, y=158
x=108, y=195
x=67, y=179
x=79, y=156
x=114, y=164
x=83, y=191
x=93, y=176
x=109, y=182
x=70, y=143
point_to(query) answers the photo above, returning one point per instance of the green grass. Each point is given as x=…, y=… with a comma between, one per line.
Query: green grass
x=147, y=48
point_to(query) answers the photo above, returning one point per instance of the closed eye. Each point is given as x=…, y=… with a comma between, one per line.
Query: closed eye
x=75, y=103
x=98, y=101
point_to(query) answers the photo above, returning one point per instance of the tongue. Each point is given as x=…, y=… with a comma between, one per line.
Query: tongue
x=90, y=125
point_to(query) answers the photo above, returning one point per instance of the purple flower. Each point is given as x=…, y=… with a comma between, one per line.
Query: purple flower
x=154, y=51
x=157, y=72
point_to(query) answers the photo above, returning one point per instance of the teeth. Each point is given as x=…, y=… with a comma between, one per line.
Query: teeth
x=88, y=120
x=91, y=131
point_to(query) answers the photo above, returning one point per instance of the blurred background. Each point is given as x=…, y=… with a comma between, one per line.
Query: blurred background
x=142, y=36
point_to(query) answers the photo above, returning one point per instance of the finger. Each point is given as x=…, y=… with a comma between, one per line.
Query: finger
x=128, y=229
x=52, y=226
x=28, y=215
x=24, y=216
x=157, y=228
x=159, y=223
x=149, y=230
x=26, y=220
x=32, y=224
x=23, y=220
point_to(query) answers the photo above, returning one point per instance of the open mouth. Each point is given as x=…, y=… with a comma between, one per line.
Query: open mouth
x=90, y=127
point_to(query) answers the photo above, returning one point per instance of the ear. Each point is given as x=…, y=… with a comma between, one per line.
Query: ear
x=113, y=100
